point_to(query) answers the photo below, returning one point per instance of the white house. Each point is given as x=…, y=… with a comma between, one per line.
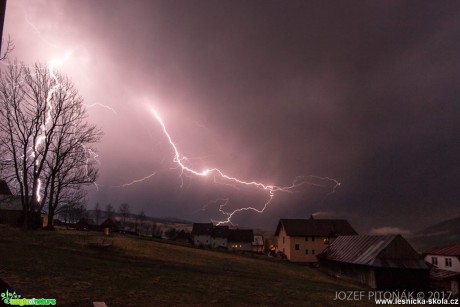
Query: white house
x=445, y=258
x=202, y=234
x=445, y=271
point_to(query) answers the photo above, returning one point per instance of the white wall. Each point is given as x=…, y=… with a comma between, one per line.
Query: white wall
x=204, y=240
x=442, y=262
x=219, y=242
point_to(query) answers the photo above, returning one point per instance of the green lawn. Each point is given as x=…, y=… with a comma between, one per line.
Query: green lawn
x=141, y=272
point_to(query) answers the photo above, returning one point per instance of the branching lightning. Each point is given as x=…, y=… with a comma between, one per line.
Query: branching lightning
x=98, y=104
x=136, y=180
x=299, y=181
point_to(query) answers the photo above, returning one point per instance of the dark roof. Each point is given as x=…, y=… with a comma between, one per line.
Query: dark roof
x=240, y=235
x=377, y=251
x=202, y=229
x=315, y=227
x=452, y=250
x=10, y=203
x=4, y=189
x=439, y=274
x=109, y=223
x=220, y=232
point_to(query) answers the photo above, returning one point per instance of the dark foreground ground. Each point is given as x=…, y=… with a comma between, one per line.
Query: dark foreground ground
x=141, y=272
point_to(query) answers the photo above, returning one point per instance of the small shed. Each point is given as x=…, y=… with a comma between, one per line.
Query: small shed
x=110, y=224
x=384, y=262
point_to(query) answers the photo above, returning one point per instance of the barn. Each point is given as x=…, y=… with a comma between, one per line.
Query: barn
x=385, y=262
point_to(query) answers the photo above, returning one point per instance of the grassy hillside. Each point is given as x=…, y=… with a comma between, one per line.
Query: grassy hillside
x=141, y=272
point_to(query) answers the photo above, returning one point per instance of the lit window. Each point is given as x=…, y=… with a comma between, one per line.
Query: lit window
x=434, y=260
x=448, y=262
x=297, y=247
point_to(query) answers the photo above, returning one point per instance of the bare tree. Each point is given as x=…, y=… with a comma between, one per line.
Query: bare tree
x=124, y=211
x=44, y=138
x=142, y=220
x=97, y=213
x=9, y=49
x=69, y=163
x=72, y=212
x=109, y=211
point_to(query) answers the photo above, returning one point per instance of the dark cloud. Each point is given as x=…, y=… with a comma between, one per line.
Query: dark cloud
x=364, y=92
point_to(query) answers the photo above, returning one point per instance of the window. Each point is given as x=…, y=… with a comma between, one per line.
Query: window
x=297, y=247
x=313, y=239
x=312, y=251
x=306, y=239
x=326, y=240
x=434, y=260
x=448, y=262
x=306, y=252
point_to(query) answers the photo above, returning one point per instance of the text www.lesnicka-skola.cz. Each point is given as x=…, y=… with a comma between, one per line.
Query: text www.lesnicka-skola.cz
x=399, y=297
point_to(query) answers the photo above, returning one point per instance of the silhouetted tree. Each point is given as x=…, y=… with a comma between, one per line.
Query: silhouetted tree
x=142, y=220
x=44, y=136
x=97, y=213
x=124, y=212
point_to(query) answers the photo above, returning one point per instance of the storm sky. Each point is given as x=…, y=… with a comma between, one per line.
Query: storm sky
x=364, y=92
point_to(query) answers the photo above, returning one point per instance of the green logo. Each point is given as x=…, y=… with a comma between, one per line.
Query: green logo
x=11, y=298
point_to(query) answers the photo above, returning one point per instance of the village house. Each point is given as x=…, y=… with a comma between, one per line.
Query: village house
x=240, y=239
x=10, y=206
x=202, y=234
x=303, y=240
x=258, y=244
x=221, y=237
x=385, y=262
x=111, y=225
x=445, y=268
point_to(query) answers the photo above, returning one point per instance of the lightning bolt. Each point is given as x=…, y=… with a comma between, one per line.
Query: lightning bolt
x=136, y=181
x=51, y=64
x=98, y=104
x=299, y=181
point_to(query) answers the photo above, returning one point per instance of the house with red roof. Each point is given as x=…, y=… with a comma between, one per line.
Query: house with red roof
x=445, y=268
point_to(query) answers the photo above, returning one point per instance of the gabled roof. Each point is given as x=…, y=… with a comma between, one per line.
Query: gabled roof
x=439, y=274
x=377, y=251
x=202, y=229
x=10, y=203
x=452, y=250
x=4, y=189
x=241, y=235
x=110, y=223
x=220, y=231
x=315, y=227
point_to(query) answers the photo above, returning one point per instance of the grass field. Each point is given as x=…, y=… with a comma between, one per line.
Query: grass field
x=141, y=272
